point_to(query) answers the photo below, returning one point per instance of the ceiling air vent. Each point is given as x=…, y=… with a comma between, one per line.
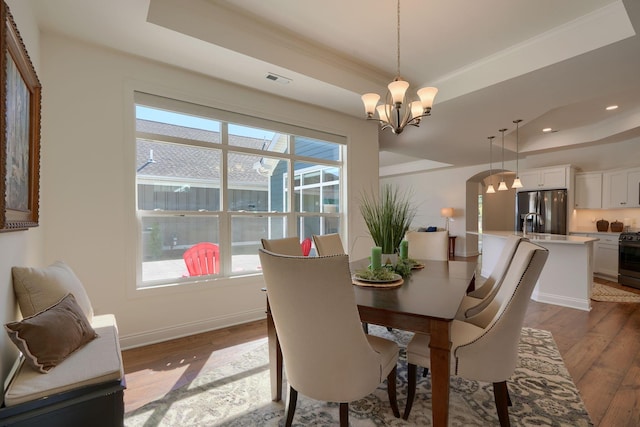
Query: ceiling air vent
x=278, y=79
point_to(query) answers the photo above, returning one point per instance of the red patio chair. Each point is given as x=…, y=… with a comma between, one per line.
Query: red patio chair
x=306, y=246
x=202, y=259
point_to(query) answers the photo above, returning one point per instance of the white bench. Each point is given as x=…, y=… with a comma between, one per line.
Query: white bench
x=86, y=389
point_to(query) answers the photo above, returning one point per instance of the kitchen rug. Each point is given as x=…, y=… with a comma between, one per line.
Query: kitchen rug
x=606, y=293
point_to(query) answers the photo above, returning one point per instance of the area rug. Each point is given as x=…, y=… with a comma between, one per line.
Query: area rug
x=606, y=293
x=238, y=394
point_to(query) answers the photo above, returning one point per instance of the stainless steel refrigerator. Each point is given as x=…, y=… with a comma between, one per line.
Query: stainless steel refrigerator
x=545, y=211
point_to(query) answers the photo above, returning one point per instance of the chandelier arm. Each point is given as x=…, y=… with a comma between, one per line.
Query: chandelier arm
x=415, y=121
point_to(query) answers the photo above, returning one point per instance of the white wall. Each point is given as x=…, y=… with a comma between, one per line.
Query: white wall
x=438, y=189
x=18, y=247
x=89, y=173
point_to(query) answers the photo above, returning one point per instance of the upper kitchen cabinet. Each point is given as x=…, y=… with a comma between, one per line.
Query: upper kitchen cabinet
x=621, y=189
x=588, y=190
x=545, y=178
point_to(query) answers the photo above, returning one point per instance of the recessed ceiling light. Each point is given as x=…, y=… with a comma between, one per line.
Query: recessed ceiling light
x=611, y=107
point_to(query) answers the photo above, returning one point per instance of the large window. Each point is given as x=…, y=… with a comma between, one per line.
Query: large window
x=205, y=175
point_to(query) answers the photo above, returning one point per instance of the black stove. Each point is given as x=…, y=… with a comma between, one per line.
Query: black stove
x=629, y=259
x=630, y=236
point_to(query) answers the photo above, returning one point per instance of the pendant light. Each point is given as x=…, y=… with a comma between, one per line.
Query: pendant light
x=503, y=185
x=516, y=182
x=490, y=189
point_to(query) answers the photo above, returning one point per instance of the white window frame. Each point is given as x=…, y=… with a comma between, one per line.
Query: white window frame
x=224, y=215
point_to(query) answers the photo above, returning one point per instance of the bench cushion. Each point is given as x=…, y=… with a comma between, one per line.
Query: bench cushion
x=98, y=361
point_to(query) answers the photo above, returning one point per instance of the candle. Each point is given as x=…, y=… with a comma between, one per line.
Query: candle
x=404, y=249
x=376, y=257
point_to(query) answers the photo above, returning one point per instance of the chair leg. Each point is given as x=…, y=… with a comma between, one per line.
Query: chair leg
x=391, y=390
x=365, y=327
x=501, y=396
x=412, y=372
x=291, y=406
x=344, y=415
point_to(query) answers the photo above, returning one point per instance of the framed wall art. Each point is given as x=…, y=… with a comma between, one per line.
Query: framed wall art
x=20, y=99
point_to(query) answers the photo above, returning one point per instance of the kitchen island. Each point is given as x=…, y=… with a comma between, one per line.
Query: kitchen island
x=567, y=277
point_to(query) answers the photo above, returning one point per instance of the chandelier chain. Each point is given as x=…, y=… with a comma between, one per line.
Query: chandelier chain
x=398, y=46
x=502, y=174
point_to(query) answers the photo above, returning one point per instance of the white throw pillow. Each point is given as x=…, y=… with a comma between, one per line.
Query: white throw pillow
x=39, y=288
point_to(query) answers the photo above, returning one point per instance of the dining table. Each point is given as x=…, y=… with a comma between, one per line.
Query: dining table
x=426, y=302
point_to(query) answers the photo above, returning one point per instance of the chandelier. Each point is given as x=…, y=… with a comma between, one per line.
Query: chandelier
x=397, y=112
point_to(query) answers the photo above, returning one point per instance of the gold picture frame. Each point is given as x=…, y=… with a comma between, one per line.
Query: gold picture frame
x=20, y=95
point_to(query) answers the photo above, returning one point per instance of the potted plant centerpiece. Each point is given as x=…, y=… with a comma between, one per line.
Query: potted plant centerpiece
x=388, y=217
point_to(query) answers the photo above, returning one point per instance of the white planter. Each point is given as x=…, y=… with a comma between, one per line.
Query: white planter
x=389, y=259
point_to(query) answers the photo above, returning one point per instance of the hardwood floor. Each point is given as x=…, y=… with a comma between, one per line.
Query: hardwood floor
x=601, y=350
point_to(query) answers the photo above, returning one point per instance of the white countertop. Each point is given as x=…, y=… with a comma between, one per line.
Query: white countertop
x=543, y=238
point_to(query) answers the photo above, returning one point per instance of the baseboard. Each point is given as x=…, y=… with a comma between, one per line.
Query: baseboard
x=580, y=304
x=606, y=277
x=186, y=329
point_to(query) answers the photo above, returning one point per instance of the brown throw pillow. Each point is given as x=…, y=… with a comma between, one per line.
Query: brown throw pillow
x=48, y=337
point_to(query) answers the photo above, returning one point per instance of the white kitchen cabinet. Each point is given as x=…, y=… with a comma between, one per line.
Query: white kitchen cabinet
x=544, y=178
x=621, y=189
x=588, y=190
x=605, y=254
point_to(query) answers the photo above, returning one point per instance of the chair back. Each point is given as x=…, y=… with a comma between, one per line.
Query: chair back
x=490, y=287
x=286, y=246
x=328, y=244
x=326, y=353
x=202, y=259
x=492, y=354
x=432, y=245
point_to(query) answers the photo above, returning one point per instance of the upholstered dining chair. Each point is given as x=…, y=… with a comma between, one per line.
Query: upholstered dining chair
x=432, y=245
x=478, y=299
x=328, y=244
x=286, y=246
x=326, y=354
x=485, y=347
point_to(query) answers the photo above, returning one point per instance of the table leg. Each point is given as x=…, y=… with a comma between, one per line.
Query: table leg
x=275, y=358
x=440, y=347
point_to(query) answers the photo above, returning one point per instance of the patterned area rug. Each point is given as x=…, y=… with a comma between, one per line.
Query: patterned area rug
x=238, y=394
x=606, y=293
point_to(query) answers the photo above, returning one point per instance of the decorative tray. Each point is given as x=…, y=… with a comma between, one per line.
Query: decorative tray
x=417, y=266
x=391, y=283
